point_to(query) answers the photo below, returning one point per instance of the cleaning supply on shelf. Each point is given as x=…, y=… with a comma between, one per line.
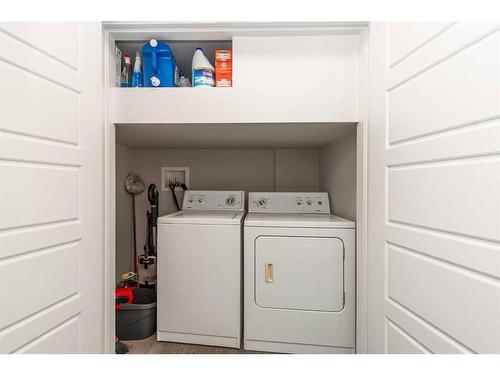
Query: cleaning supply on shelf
x=126, y=71
x=203, y=71
x=118, y=67
x=137, y=73
x=223, y=67
x=183, y=80
x=159, y=65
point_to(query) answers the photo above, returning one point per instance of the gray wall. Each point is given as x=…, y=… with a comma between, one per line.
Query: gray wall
x=248, y=170
x=297, y=170
x=124, y=249
x=337, y=174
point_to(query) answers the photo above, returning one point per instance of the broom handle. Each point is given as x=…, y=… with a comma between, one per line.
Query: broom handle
x=135, y=241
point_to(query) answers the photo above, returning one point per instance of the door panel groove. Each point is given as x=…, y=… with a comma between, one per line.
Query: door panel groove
x=38, y=251
x=423, y=44
x=45, y=334
x=441, y=60
x=448, y=263
x=442, y=231
x=27, y=44
x=445, y=160
x=39, y=75
x=429, y=326
x=41, y=164
x=35, y=163
x=24, y=240
x=68, y=299
x=480, y=256
x=24, y=228
x=441, y=132
x=40, y=139
x=409, y=337
x=415, y=316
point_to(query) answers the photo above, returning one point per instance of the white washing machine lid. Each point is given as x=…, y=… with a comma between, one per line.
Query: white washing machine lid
x=297, y=220
x=208, y=217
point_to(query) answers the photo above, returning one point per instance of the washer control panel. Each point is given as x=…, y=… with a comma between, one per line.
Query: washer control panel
x=213, y=200
x=289, y=202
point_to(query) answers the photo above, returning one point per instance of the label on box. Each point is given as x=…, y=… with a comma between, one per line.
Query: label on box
x=223, y=67
x=223, y=79
x=223, y=60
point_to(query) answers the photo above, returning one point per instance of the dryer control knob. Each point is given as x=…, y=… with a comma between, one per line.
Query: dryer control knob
x=230, y=201
x=262, y=202
x=309, y=202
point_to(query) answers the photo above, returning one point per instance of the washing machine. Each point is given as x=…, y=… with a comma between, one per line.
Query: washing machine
x=199, y=270
x=299, y=275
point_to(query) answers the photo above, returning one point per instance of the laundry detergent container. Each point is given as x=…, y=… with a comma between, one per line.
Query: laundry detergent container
x=135, y=313
x=159, y=65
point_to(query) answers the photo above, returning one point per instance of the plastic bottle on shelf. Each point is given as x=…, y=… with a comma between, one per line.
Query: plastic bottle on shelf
x=183, y=80
x=203, y=71
x=159, y=65
x=137, y=73
x=127, y=70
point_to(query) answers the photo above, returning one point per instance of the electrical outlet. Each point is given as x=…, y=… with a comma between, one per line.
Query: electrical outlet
x=176, y=175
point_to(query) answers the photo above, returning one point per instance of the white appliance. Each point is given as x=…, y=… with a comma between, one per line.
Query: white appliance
x=199, y=270
x=299, y=275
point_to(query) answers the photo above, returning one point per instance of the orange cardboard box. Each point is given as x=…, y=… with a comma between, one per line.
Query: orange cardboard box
x=223, y=67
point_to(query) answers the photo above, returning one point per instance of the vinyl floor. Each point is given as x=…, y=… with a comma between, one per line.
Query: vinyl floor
x=151, y=346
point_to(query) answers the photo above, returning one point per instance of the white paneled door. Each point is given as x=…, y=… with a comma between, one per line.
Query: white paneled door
x=50, y=188
x=434, y=188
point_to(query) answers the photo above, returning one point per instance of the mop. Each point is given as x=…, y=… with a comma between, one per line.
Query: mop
x=134, y=185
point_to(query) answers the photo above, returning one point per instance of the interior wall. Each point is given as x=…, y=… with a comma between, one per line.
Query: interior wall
x=337, y=174
x=124, y=249
x=297, y=170
x=210, y=169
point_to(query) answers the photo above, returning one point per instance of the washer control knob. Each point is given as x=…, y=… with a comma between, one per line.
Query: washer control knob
x=299, y=201
x=230, y=201
x=320, y=203
x=200, y=200
x=309, y=202
x=262, y=202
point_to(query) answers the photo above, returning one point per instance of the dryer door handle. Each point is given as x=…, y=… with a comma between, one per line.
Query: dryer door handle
x=268, y=273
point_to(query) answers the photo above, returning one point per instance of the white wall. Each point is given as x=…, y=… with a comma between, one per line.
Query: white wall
x=337, y=174
x=248, y=170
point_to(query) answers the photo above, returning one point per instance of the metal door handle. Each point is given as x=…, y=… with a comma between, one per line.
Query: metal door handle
x=268, y=272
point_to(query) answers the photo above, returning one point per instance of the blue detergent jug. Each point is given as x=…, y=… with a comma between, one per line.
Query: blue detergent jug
x=159, y=66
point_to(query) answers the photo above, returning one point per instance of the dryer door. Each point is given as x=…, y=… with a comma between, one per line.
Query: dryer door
x=299, y=273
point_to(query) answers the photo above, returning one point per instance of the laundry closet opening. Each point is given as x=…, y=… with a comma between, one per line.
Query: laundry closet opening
x=282, y=157
x=258, y=165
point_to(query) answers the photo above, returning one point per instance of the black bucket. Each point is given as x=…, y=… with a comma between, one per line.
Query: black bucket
x=136, y=321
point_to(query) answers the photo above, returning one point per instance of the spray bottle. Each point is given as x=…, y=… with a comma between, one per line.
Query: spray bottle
x=137, y=74
x=127, y=70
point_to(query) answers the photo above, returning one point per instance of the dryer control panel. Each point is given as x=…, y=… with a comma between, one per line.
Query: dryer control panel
x=289, y=202
x=197, y=200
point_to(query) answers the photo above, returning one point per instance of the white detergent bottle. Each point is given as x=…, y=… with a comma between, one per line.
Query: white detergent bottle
x=203, y=71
